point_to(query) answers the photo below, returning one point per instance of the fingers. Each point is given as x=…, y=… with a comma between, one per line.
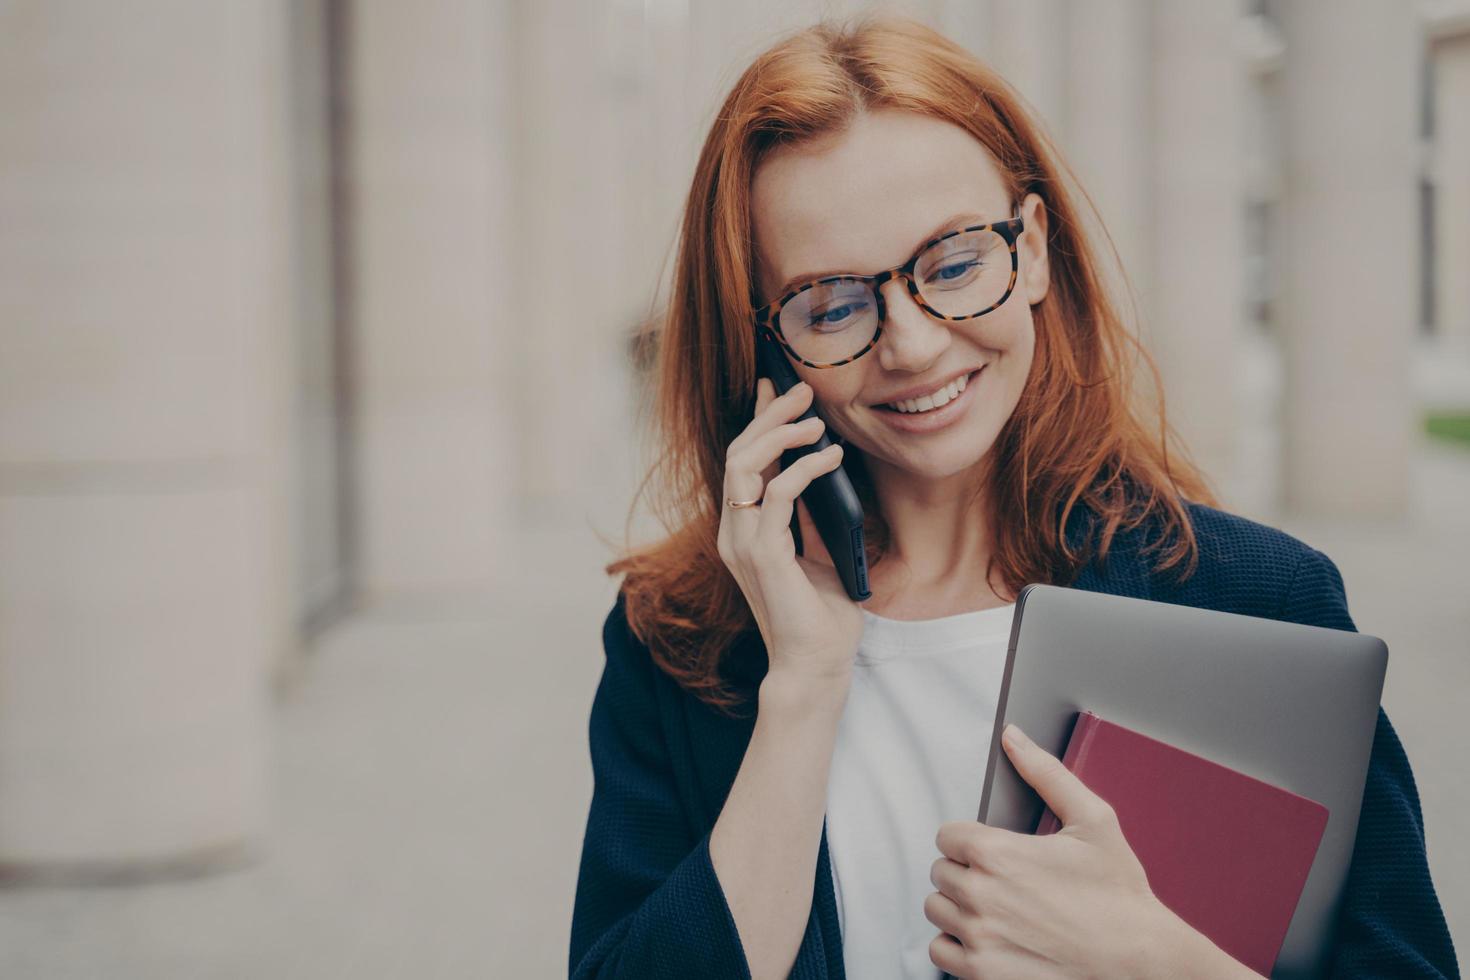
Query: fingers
x=756, y=456
x=971, y=843
x=1068, y=797
x=954, y=881
x=949, y=955
x=752, y=461
x=749, y=473
x=761, y=536
x=781, y=492
x=765, y=393
x=773, y=412
x=942, y=911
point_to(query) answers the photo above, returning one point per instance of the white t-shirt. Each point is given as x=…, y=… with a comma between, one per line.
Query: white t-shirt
x=910, y=756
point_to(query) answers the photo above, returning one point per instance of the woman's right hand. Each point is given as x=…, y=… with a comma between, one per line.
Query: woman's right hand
x=810, y=626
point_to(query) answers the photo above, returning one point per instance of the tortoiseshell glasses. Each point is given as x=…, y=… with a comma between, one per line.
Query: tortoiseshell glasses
x=835, y=320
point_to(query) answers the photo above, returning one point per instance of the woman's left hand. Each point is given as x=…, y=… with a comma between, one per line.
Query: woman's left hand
x=1073, y=903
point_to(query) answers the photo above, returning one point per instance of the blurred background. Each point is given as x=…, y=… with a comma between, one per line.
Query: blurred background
x=318, y=396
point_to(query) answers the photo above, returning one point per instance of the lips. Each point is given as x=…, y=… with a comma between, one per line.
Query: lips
x=935, y=419
x=921, y=399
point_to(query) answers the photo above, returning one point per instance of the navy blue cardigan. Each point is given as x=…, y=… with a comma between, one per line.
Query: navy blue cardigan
x=649, y=905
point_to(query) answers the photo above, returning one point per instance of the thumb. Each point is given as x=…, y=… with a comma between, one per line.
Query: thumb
x=1068, y=797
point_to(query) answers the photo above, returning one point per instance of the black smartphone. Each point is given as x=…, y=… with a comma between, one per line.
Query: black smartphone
x=830, y=498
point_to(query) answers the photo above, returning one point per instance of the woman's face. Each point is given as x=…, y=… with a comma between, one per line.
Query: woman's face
x=865, y=200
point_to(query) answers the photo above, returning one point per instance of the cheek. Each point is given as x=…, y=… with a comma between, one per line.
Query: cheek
x=1018, y=373
x=838, y=402
x=1009, y=344
x=1010, y=334
x=836, y=389
x=834, y=400
x=1025, y=340
x=1021, y=327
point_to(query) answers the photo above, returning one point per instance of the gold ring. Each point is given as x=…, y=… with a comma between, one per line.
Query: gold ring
x=737, y=504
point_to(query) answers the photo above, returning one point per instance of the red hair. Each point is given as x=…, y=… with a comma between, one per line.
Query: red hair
x=1074, y=435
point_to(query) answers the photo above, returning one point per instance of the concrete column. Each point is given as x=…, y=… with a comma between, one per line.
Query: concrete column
x=1348, y=286
x=968, y=22
x=434, y=296
x=320, y=548
x=1110, y=138
x=1452, y=190
x=1198, y=273
x=570, y=219
x=144, y=309
x=1026, y=38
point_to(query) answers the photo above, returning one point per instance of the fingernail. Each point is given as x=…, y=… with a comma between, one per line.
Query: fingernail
x=1014, y=737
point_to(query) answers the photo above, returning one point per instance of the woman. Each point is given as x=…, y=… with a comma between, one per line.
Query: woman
x=786, y=780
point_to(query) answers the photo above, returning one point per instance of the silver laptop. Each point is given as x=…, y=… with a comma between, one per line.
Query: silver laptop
x=1295, y=706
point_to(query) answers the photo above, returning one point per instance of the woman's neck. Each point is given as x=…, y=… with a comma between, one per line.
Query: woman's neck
x=895, y=597
x=939, y=546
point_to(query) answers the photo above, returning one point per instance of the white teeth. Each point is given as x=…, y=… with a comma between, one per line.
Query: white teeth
x=926, y=403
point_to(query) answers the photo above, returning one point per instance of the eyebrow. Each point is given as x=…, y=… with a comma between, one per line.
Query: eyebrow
x=963, y=218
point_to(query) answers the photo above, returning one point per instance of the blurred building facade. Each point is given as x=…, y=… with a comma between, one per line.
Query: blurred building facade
x=318, y=305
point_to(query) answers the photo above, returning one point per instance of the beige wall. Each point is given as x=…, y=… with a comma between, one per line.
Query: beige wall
x=428, y=182
x=1451, y=162
x=1349, y=297
x=143, y=414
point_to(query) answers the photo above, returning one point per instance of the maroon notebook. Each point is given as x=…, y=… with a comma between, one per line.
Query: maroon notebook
x=1226, y=852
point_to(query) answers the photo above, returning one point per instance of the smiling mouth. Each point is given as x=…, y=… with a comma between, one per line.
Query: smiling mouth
x=935, y=399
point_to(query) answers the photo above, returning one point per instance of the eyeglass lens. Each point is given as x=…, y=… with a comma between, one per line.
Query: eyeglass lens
x=959, y=276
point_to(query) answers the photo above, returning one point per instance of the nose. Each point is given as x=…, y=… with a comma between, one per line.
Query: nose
x=912, y=341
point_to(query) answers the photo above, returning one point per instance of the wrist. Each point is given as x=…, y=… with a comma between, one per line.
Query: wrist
x=1180, y=950
x=804, y=692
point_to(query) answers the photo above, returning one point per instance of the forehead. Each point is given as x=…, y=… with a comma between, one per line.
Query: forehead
x=865, y=198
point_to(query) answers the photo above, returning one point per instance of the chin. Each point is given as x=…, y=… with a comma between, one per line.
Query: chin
x=936, y=465
x=941, y=469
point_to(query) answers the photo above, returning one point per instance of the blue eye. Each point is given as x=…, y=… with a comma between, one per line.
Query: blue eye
x=837, y=314
x=949, y=272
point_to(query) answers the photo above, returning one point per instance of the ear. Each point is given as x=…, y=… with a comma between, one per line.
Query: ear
x=1035, y=264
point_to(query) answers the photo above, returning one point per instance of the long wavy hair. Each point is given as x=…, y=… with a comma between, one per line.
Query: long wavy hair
x=1075, y=435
